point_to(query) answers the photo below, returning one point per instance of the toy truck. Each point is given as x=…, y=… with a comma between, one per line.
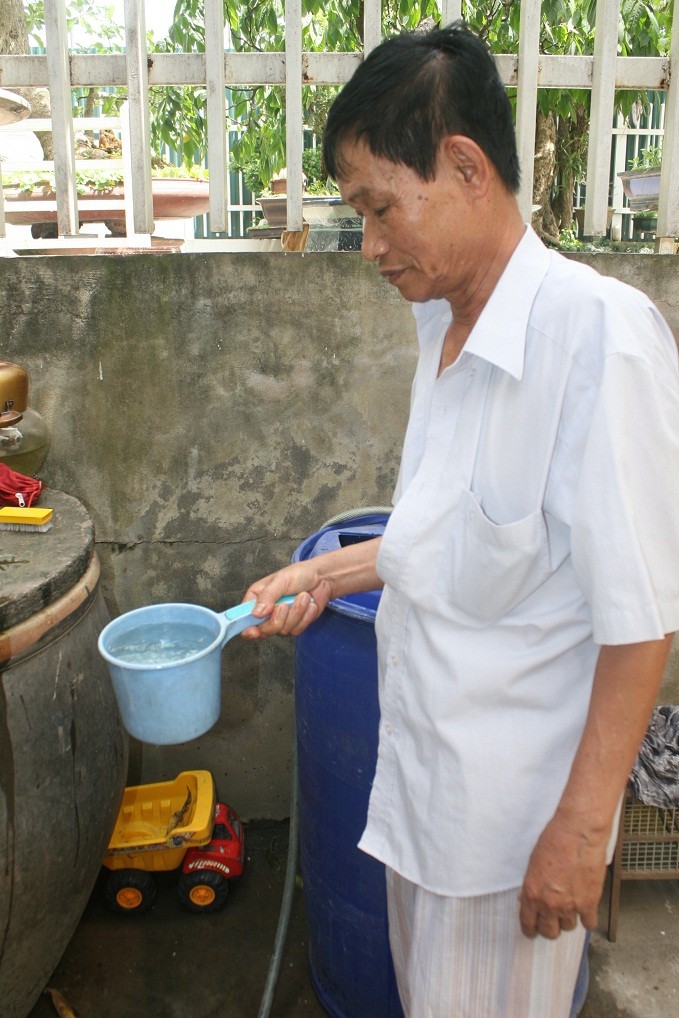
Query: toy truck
x=169, y=824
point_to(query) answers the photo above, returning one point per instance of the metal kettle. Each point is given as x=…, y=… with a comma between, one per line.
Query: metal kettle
x=24, y=435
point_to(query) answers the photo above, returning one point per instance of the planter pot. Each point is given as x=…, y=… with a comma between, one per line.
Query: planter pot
x=645, y=223
x=579, y=217
x=641, y=187
x=13, y=107
x=318, y=211
x=279, y=186
x=173, y=198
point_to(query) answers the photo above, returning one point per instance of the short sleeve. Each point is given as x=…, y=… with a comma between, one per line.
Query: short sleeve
x=625, y=535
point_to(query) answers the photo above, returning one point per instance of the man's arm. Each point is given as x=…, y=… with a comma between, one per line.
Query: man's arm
x=567, y=868
x=316, y=581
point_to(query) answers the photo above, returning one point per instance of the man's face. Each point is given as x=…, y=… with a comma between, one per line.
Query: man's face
x=406, y=221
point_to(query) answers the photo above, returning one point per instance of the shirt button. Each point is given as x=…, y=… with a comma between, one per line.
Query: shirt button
x=387, y=729
x=394, y=659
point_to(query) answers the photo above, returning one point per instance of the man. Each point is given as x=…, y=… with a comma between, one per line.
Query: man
x=530, y=566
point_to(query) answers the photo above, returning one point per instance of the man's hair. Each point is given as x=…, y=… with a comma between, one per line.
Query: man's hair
x=415, y=89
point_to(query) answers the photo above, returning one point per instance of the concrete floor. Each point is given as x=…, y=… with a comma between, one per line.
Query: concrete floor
x=172, y=964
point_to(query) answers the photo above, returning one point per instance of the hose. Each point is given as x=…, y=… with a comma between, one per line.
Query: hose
x=352, y=514
x=288, y=890
x=293, y=837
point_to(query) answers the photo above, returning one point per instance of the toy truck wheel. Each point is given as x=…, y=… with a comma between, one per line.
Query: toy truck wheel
x=130, y=892
x=203, y=890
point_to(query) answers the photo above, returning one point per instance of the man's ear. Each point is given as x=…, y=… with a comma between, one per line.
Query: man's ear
x=466, y=161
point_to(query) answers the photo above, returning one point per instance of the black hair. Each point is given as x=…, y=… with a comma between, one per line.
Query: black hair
x=415, y=89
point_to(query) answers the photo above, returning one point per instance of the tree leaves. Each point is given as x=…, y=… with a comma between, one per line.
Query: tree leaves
x=257, y=115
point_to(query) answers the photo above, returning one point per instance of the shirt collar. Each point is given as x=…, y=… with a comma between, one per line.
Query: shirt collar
x=499, y=335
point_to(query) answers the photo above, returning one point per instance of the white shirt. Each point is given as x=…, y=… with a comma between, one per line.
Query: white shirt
x=535, y=518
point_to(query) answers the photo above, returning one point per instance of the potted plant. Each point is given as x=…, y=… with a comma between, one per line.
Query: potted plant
x=176, y=194
x=641, y=183
x=321, y=202
x=645, y=222
x=579, y=217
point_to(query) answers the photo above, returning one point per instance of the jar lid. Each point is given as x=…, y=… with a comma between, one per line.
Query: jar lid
x=40, y=569
x=13, y=387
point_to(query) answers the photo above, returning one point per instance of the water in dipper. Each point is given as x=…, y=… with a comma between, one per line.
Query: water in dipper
x=160, y=643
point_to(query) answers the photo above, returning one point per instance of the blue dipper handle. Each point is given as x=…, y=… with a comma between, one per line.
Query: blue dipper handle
x=240, y=616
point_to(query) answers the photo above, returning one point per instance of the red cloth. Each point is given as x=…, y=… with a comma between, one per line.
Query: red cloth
x=17, y=489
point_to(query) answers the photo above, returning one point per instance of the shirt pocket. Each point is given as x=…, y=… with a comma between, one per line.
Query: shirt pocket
x=487, y=569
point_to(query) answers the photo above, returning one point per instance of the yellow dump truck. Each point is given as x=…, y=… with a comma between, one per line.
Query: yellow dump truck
x=169, y=824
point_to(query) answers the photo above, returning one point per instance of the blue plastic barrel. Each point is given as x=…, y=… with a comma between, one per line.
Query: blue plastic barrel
x=337, y=721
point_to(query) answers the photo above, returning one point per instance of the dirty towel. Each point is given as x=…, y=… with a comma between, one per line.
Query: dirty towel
x=655, y=775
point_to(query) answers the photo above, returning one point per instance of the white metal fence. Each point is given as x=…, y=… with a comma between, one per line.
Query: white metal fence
x=530, y=70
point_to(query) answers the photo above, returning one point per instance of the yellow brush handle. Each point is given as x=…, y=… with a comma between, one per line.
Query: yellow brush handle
x=35, y=517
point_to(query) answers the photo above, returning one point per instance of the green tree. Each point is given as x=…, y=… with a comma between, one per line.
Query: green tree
x=94, y=22
x=562, y=116
x=179, y=116
x=567, y=28
x=14, y=38
x=259, y=113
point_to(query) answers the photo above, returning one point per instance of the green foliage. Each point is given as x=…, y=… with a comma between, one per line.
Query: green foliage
x=43, y=180
x=644, y=28
x=91, y=18
x=93, y=21
x=252, y=174
x=87, y=180
x=260, y=112
x=312, y=165
x=568, y=241
x=86, y=99
x=35, y=22
x=179, y=121
x=317, y=181
x=178, y=115
x=648, y=159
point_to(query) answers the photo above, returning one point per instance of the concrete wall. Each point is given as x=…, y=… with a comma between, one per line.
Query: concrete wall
x=212, y=411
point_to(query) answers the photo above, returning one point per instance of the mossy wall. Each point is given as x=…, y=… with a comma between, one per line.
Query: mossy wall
x=211, y=411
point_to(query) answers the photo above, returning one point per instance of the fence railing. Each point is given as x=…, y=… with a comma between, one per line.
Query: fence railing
x=528, y=71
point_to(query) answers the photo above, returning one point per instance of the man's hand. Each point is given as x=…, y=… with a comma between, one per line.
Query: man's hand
x=315, y=581
x=566, y=872
x=302, y=579
x=564, y=880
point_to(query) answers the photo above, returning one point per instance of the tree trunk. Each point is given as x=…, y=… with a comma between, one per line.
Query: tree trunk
x=544, y=175
x=14, y=39
x=571, y=149
x=13, y=34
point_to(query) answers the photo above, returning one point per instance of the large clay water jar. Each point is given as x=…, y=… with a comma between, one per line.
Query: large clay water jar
x=63, y=751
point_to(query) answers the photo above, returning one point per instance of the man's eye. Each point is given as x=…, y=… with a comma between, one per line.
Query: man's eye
x=380, y=212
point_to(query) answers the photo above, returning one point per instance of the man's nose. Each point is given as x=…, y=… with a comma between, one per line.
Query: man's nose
x=373, y=245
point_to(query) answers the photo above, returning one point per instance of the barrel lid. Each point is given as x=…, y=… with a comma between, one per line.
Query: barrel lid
x=338, y=535
x=37, y=569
